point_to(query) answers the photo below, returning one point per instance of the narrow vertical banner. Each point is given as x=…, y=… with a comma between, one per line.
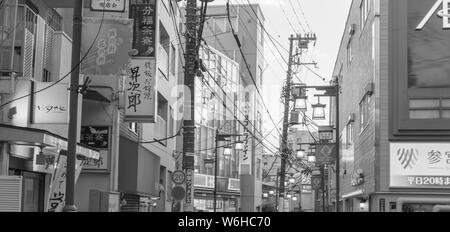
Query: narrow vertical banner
x=140, y=91
x=144, y=33
x=245, y=159
x=57, y=194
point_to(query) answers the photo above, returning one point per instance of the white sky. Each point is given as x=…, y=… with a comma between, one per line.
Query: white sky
x=326, y=19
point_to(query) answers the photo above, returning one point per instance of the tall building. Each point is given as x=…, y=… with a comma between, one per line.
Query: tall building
x=393, y=67
x=218, y=34
x=128, y=161
x=217, y=101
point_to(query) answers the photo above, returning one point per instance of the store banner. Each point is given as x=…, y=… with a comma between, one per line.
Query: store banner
x=420, y=165
x=143, y=12
x=109, y=54
x=140, y=91
x=57, y=194
x=52, y=105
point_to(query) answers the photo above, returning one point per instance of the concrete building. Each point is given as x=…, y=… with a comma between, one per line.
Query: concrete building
x=218, y=35
x=130, y=170
x=392, y=66
x=217, y=102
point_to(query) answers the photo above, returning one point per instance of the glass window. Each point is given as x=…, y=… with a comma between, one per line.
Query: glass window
x=349, y=53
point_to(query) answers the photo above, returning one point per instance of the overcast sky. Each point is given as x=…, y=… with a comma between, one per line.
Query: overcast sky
x=326, y=18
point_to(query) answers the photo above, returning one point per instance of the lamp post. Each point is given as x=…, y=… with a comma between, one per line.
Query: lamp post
x=222, y=138
x=319, y=109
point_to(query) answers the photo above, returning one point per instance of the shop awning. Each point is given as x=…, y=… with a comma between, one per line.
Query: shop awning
x=26, y=136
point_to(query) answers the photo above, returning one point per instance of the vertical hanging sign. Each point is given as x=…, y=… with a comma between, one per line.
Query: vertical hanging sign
x=245, y=160
x=140, y=93
x=144, y=33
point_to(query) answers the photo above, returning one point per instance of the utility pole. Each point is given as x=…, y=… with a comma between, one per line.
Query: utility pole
x=73, y=121
x=191, y=64
x=287, y=99
x=303, y=44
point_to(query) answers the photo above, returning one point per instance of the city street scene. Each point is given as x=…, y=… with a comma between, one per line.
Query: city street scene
x=225, y=106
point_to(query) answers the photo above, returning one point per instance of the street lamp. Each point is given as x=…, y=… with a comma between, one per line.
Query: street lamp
x=294, y=198
x=265, y=195
x=319, y=114
x=291, y=180
x=311, y=158
x=301, y=154
x=227, y=151
x=318, y=111
x=300, y=103
x=271, y=192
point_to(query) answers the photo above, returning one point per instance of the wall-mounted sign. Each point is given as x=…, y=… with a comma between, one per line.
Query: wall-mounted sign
x=420, y=165
x=95, y=136
x=325, y=153
x=100, y=164
x=144, y=33
x=245, y=159
x=316, y=182
x=108, y=5
x=140, y=91
x=109, y=55
x=52, y=105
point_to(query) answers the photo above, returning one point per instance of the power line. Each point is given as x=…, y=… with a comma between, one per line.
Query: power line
x=247, y=65
x=68, y=74
x=303, y=13
x=296, y=15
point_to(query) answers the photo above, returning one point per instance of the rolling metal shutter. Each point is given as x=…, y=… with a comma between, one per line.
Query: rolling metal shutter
x=10, y=193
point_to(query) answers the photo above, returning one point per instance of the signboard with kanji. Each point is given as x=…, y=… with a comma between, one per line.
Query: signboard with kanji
x=108, y=5
x=144, y=33
x=325, y=154
x=95, y=136
x=140, y=91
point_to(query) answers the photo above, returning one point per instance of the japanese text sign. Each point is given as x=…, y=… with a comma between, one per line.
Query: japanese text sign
x=420, y=165
x=108, y=5
x=144, y=33
x=140, y=91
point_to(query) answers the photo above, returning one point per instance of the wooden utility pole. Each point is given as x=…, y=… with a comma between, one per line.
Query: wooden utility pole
x=303, y=42
x=191, y=65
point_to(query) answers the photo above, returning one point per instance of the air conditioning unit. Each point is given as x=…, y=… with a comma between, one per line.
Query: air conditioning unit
x=352, y=29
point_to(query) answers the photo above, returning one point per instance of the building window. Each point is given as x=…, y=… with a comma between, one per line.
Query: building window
x=132, y=126
x=161, y=126
x=349, y=52
x=164, y=52
x=349, y=134
x=364, y=9
x=173, y=59
x=364, y=112
x=258, y=169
